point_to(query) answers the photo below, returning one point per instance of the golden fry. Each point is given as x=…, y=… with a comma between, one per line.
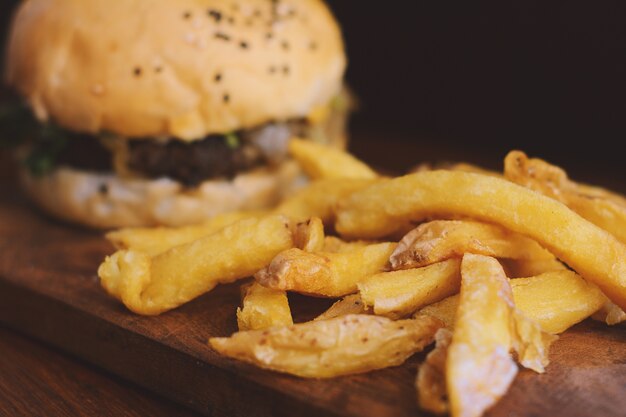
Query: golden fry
x=319, y=198
x=430, y=383
x=328, y=348
x=263, y=308
x=155, y=240
x=439, y=240
x=350, y=304
x=522, y=268
x=551, y=179
x=325, y=162
x=480, y=368
x=465, y=167
x=309, y=235
x=556, y=300
x=324, y=274
x=456, y=166
x=379, y=210
x=399, y=293
x=610, y=314
x=601, y=207
x=530, y=342
x=335, y=245
x=153, y=284
x=444, y=310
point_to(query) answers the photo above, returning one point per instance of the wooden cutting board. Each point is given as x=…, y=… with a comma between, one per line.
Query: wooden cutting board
x=49, y=289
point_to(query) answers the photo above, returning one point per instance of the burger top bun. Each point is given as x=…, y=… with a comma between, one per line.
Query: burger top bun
x=184, y=68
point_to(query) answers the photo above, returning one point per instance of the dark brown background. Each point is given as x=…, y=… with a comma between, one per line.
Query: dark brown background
x=479, y=78
x=548, y=77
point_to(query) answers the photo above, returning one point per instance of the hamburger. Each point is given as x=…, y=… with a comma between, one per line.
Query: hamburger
x=161, y=112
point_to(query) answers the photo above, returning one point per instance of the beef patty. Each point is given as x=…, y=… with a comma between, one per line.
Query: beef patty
x=215, y=156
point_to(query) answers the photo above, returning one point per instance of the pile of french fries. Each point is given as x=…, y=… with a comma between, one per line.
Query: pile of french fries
x=488, y=266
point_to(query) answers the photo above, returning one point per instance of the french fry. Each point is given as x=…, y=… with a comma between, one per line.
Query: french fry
x=324, y=274
x=319, y=198
x=479, y=368
x=444, y=310
x=555, y=179
x=150, y=285
x=456, y=166
x=350, y=304
x=324, y=162
x=610, y=314
x=400, y=293
x=530, y=342
x=430, y=383
x=556, y=300
x=328, y=348
x=439, y=240
x=601, y=207
x=309, y=235
x=379, y=210
x=263, y=308
x=155, y=240
x=335, y=245
x=465, y=167
x=523, y=268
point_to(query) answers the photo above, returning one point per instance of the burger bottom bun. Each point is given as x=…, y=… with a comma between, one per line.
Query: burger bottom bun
x=106, y=201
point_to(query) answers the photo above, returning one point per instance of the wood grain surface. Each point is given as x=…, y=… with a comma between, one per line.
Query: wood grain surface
x=38, y=381
x=49, y=289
